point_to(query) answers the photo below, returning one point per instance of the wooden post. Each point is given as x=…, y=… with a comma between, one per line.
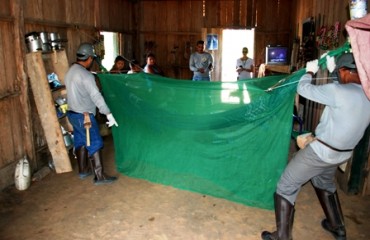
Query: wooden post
x=47, y=113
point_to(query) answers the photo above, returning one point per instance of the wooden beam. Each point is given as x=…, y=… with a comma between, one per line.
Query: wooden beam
x=47, y=113
x=16, y=7
x=279, y=68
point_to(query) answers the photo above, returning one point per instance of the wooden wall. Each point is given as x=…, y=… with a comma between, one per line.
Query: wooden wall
x=175, y=31
x=324, y=13
x=77, y=21
x=272, y=26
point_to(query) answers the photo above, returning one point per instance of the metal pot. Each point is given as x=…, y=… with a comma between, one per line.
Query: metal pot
x=33, y=42
x=56, y=41
x=45, y=39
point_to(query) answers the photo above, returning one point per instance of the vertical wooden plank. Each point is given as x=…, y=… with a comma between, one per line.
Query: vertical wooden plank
x=197, y=20
x=53, y=10
x=183, y=15
x=98, y=16
x=6, y=150
x=161, y=20
x=5, y=8
x=148, y=16
x=173, y=20
x=33, y=9
x=10, y=74
x=213, y=14
x=56, y=62
x=46, y=110
x=366, y=188
x=236, y=13
x=249, y=19
x=4, y=80
x=22, y=109
x=226, y=14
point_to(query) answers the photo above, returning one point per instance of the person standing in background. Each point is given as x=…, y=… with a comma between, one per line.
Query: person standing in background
x=201, y=63
x=244, y=66
x=119, y=64
x=83, y=98
x=151, y=65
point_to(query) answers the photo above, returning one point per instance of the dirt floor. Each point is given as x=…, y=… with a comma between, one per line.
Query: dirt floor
x=61, y=206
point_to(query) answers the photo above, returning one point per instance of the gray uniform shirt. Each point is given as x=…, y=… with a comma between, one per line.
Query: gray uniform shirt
x=344, y=120
x=82, y=93
x=201, y=60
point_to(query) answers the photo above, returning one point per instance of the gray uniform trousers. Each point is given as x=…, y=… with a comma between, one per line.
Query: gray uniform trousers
x=303, y=167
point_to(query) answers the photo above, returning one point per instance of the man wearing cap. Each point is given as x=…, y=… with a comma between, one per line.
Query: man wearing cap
x=83, y=98
x=342, y=124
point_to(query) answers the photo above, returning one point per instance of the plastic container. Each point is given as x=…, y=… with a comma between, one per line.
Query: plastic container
x=22, y=175
x=357, y=8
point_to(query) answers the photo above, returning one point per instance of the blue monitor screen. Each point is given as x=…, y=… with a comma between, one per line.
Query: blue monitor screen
x=277, y=55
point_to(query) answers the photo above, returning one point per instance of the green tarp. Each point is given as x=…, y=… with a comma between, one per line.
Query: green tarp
x=225, y=139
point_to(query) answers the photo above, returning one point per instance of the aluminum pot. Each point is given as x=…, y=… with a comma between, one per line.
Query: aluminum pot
x=45, y=39
x=33, y=42
x=56, y=41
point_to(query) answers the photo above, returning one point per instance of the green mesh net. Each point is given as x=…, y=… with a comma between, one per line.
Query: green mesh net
x=225, y=139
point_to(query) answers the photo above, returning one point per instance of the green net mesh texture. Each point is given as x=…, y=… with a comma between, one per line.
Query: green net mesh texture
x=225, y=139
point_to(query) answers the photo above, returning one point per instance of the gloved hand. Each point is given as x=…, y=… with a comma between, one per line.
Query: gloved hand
x=312, y=66
x=330, y=63
x=323, y=55
x=111, y=120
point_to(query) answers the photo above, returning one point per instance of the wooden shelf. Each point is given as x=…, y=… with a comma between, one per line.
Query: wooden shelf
x=279, y=68
x=38, y=66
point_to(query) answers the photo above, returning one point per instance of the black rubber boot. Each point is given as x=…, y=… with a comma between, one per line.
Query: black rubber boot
x=284, y=214
x=84, y=169
x=97, y=165
x=334, y=222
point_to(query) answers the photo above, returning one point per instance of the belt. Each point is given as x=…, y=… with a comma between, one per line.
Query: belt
x=333, y=148
x=73, y=112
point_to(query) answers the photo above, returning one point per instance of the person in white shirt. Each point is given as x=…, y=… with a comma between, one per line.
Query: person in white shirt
x=244, y=66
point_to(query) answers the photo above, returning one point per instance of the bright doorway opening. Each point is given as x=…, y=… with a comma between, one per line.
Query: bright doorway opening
x=111, y=49
x=233, y=43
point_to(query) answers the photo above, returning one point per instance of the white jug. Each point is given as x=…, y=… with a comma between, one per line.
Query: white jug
x=22, y=176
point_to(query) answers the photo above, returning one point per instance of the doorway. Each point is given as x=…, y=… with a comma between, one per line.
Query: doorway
x=232, y=44
x=111, y=48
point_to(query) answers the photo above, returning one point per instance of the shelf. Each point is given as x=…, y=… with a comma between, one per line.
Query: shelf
x=38, y=66
x=279, y=68
x=62, y=87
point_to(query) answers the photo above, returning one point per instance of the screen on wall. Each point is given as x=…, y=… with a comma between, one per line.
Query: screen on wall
x=277, y=55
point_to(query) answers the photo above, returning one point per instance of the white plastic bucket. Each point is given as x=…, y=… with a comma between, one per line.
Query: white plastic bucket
x=357, y=8
x=22, y=175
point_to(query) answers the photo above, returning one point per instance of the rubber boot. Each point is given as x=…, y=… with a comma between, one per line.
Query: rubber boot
x=334, y=222
x=284, y=214
x=84, y=169
x=97, y=165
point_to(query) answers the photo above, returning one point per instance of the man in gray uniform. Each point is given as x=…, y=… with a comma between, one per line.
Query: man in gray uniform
x=343, y=122
x=201, y=63
x=83, y=98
